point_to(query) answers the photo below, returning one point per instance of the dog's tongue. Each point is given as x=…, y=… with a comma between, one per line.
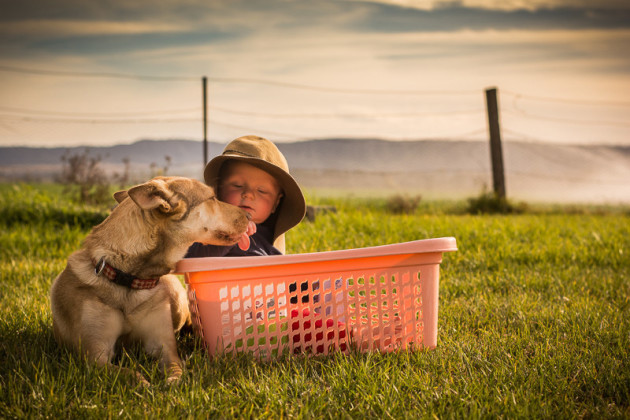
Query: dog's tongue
x=243, y=242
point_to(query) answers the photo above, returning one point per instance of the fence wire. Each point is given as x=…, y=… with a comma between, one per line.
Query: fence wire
x=522, y=115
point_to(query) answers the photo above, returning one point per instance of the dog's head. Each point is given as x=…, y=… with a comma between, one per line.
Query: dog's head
x=187, y=210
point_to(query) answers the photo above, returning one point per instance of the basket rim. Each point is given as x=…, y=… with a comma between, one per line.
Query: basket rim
x=421, y=246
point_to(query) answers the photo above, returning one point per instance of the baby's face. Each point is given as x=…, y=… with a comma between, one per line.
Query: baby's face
x=249, y=188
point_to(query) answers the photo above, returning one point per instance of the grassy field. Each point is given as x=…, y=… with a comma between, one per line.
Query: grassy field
x=534, y=322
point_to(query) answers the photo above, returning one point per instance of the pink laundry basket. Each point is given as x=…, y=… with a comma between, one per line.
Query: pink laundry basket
x=378, y=298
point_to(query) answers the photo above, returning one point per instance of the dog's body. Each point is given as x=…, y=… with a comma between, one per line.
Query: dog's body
x=143, y=238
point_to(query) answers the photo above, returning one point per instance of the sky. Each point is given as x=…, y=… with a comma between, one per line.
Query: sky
x=100, y=73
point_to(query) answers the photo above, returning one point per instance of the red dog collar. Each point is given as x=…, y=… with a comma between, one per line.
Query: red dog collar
x=121, y=278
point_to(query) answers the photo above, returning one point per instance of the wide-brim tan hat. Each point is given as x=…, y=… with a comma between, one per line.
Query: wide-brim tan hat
x=263, y=154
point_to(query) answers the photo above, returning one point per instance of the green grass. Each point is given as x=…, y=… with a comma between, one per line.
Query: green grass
x=534, y=322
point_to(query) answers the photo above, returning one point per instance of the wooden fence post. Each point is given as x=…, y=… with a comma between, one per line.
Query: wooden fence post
x=496, y=152
x=204, y=82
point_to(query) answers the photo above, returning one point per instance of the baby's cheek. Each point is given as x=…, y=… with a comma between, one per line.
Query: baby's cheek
x=233, y=199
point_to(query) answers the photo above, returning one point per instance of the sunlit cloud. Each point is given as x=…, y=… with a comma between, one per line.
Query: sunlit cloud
x=504, y=4
x=64, y=27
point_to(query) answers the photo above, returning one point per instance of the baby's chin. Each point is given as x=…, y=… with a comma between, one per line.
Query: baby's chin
x=257, y=220
x=254, y=218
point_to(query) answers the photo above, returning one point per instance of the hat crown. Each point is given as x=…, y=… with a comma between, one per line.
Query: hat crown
x=257, y=148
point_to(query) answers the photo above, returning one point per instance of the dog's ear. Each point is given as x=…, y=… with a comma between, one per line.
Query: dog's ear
x=154, y=194
x=119, y=196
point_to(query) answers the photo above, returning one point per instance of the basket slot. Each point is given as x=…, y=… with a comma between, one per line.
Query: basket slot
x=310, y=329
x=258, y=313
x=383, y=311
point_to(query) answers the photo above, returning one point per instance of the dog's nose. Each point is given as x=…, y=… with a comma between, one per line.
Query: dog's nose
x=249, y=216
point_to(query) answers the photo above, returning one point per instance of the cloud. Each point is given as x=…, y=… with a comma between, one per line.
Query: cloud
x=121, y=43
x=66, y=28
x=455, y=17
x=514, y=52
x=284, y=36
x=102, y=27
x=504, y=4
x=79, y=27
x=255, y=15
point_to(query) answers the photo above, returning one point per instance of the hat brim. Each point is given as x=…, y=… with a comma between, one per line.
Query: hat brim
x=292, y=208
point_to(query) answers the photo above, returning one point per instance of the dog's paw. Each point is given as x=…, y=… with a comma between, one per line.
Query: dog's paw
x=142, y=380
x=136, y=376
x=174, y=372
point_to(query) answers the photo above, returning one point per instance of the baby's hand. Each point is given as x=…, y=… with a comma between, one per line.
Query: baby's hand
x=243, y=242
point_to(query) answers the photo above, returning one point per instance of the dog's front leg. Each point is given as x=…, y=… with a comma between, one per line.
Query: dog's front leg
x=100, y=329
x=155, y=330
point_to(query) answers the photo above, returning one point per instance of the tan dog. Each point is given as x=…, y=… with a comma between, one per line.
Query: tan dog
x=116, y=289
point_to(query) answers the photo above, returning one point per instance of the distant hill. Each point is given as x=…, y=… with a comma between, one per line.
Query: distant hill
x=141, y=152
x=366, y=166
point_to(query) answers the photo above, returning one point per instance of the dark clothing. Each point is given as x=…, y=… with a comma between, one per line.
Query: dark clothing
x=260, y=244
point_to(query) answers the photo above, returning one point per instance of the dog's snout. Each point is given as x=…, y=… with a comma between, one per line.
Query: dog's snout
x=249, y=216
